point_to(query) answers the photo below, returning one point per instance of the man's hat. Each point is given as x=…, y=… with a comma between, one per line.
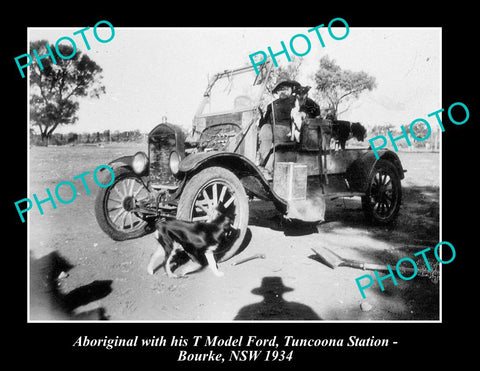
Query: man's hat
x=271, y=285
x=287, y=83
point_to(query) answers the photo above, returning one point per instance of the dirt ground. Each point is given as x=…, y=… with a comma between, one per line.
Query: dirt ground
x=290, y=283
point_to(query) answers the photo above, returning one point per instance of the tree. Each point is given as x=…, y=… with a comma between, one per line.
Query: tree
x=381, y=129
x=55, y=90
x=336, y=86
x=284, y=72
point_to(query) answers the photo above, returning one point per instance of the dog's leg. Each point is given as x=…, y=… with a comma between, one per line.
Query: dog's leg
x=151, y=265
x=168, y=268
x=212, y=263
x=188, y=267
x=164, y=249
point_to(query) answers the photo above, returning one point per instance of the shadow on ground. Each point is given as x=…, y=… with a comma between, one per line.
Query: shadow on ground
x=274, y=306
x=417, y=223
x=47, y=302
x=348, y=233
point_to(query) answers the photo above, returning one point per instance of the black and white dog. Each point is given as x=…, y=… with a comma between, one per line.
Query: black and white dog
x=345, y=130
x=198, y=240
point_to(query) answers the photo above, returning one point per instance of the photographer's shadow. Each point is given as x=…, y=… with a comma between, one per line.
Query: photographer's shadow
x=47, y=302
x=274, y=307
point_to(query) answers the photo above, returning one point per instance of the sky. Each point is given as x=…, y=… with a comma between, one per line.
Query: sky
x=153, y=72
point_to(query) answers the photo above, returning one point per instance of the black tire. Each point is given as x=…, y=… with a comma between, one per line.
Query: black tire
x=381, y=203
x=113, y=221
x=218, y=184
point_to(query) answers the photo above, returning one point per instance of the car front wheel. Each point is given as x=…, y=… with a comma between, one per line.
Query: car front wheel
x=114, y=206
x=201, y=196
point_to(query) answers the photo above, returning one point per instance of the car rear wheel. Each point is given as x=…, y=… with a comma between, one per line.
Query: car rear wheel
x=201, y=196
x=381, y=203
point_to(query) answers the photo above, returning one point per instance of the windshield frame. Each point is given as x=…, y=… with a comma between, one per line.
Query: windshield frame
x=260, y=79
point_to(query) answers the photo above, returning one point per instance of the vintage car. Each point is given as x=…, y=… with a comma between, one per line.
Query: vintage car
x=186, y=178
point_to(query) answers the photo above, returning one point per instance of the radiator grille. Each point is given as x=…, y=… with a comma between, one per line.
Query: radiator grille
x=160, y=148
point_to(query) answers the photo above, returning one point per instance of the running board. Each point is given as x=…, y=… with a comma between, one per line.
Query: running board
x=334, y=196
x=313, y=209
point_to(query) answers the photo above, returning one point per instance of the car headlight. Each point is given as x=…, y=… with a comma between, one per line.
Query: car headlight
x=174, y=162
x=139, y=163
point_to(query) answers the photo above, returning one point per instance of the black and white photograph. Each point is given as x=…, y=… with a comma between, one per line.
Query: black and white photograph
x=233, y=195
x=241, y=192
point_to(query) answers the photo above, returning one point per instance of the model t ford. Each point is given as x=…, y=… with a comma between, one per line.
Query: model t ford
x=183, y=179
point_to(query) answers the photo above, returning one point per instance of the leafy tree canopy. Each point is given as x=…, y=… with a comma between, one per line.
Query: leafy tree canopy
x=336, y=86
x=55, y=90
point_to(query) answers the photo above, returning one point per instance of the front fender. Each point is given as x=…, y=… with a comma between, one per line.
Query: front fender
x=196, y=160
x=127, y=162
x=248, y=173
x=124, y=161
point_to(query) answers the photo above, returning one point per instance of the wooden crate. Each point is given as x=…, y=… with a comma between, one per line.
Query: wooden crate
x=290, y=180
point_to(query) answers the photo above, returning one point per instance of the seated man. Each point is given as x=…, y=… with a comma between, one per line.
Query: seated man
x=282, y=109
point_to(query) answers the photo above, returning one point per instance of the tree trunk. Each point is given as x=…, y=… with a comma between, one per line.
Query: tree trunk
x=45, y=138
